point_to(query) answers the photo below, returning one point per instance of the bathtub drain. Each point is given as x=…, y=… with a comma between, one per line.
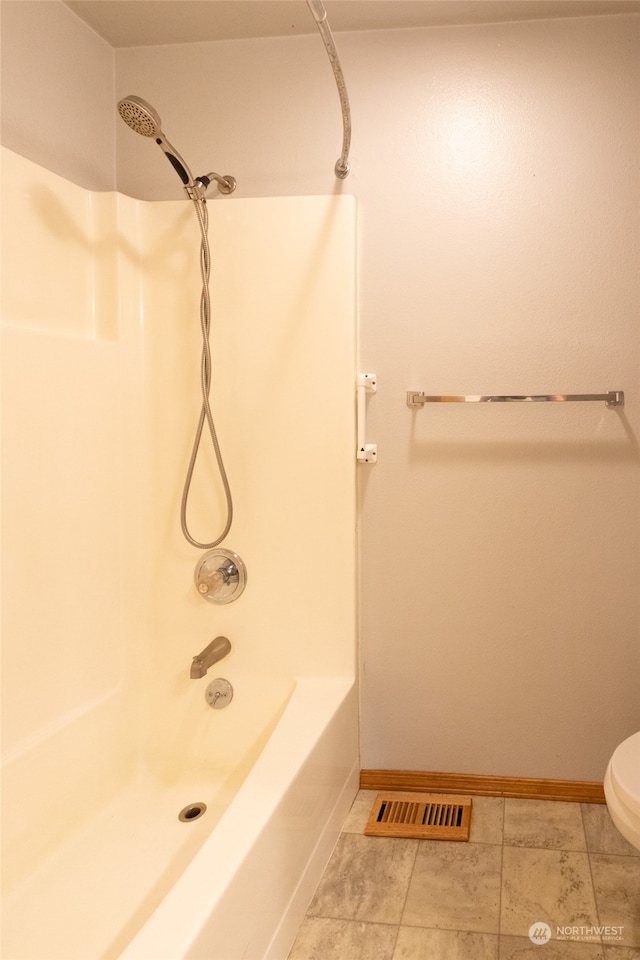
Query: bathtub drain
x=192, y=812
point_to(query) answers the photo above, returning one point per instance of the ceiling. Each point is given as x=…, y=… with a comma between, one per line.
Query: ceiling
x=135, y=23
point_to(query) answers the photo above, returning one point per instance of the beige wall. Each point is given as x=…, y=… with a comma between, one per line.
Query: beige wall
x=496, y=171
x=57, y=92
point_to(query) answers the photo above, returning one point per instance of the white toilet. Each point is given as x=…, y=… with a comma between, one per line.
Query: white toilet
x=622, y=789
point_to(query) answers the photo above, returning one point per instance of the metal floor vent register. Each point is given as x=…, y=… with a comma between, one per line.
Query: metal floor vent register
x=422, y=816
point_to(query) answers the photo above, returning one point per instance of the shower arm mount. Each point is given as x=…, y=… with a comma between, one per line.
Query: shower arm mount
x=226, y=185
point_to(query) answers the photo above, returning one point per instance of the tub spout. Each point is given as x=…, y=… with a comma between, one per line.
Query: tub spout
x=215, y=651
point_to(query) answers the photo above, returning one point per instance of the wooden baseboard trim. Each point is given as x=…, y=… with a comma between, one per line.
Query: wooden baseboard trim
x=575, y=791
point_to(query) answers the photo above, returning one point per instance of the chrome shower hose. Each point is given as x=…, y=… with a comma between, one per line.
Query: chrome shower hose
x=205, y=385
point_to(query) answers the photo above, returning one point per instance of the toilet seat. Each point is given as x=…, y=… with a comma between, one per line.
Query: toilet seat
x=622, y=789
x=625, y=772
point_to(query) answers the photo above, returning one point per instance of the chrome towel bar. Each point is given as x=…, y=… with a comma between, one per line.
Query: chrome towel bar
x=614, y=398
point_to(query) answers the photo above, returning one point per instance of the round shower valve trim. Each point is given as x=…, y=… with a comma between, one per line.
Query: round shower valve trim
x=219, y=693
x=220, y=576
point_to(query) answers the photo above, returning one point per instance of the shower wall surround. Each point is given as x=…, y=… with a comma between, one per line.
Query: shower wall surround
x=101, y=361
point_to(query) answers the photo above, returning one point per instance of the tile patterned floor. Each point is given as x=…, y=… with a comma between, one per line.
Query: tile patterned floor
x=526, y=862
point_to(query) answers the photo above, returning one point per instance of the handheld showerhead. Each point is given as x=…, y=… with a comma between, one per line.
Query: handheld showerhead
x=143, y=119
x=140, y=116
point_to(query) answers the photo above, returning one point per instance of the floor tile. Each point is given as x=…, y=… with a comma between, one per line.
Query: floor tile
x=621, y=953
x=455, y=886
x=394, y=899
x=543, y=823
x=368, y=795
x=552, y=886
x=415, y=943
x=366, y=879
x=521, y=948
x=487, y=816
x=320, y=938
x=602, y=835
x=359, y=814
x=616, y=881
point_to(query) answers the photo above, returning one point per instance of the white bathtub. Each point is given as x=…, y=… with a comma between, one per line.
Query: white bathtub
x=135, y=882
